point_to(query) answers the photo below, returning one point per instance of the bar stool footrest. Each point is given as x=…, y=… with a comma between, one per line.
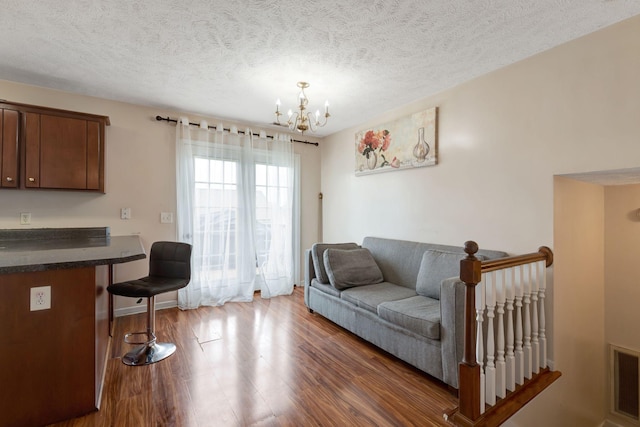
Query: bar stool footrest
x=150, y=338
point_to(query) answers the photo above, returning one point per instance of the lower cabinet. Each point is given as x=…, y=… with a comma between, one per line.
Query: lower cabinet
x=52, y=361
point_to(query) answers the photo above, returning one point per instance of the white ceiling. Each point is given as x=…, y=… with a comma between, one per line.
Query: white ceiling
x=232, y=59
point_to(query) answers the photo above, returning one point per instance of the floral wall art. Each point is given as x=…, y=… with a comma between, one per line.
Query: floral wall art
x=408, y=142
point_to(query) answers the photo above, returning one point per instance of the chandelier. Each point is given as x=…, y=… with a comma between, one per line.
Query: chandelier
x=302, y=120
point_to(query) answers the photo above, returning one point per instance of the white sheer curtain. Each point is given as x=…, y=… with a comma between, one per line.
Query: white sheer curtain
x=235, y=206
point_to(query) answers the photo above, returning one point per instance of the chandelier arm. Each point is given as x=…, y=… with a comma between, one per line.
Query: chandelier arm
x=319, y=124
x=293, y=121
x=313, y=124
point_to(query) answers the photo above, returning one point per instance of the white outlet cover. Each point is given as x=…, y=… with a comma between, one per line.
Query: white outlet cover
x=25, y=218
x=40, y=298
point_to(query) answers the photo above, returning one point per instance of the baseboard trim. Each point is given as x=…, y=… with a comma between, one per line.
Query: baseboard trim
x=142, y=308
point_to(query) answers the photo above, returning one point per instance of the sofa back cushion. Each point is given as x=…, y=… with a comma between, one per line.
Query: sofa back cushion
x=436, y=266
x=317, y=252
x=349, y=268
x=400, y=260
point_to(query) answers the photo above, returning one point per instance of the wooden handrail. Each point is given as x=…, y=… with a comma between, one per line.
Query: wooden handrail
x=543, y=254
x=471, y=270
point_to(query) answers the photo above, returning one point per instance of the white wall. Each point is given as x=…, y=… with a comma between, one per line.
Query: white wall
x=503, y=137
x=140, y=174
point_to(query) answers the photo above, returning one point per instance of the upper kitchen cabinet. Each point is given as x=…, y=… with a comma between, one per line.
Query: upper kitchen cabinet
x=60, y=149
x=9, y=122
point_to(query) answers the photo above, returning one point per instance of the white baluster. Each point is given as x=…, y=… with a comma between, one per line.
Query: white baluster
x=510, y=358
x=519, y=354
x=490, y=371
x=480, y=304
x=501, y=387
x=535, y=347
x=542, y=265
x=526, y=317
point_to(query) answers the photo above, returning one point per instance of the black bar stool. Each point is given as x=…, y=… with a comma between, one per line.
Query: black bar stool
x=169, y=270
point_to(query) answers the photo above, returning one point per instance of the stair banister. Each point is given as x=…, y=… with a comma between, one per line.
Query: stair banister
x=471, y=410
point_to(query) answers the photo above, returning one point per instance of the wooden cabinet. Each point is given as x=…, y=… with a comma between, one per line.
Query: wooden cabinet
x=52, y=362
x=9, y=148
x=57, y=149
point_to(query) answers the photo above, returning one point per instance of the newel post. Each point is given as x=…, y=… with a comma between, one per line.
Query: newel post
x=469, y=381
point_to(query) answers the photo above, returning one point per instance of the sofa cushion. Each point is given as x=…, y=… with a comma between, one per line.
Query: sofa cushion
x=370, y=296
x=317, y=252
x=436, y=266
x=348, y=268
x=418, y=314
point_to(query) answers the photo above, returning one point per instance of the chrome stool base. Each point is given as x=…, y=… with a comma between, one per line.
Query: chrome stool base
x=148, y=354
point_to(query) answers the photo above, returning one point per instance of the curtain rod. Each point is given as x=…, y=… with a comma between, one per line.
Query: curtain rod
x=169, y=119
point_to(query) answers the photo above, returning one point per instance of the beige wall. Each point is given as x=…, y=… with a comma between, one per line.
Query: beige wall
x=578, y=397
x=140, y=174
x=622, y=254
x=503, y=137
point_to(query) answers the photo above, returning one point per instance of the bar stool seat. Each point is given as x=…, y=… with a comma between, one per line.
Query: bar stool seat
x=169, y=270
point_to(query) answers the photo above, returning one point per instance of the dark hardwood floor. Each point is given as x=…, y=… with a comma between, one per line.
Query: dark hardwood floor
x=266, y=363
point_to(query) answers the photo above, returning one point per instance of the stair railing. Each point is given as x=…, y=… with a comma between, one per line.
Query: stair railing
x=504, y=364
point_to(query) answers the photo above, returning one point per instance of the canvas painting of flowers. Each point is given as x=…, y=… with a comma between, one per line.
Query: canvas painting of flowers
x=408, y=142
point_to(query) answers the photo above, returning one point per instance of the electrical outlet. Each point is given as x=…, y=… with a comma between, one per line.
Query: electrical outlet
x=166, y=217
x=25, y=218
x=40, y=298
x=125, y=213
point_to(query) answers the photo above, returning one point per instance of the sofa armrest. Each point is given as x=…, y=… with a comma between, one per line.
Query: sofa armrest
x=309, y=274
x=452, y=299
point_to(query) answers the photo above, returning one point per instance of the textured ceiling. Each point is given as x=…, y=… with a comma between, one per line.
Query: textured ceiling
x=611, y=177
x=232, y=59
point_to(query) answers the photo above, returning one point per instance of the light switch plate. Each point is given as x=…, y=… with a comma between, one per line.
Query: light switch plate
x=166, y=217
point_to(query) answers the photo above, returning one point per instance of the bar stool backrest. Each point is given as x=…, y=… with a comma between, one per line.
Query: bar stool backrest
x=171, y=260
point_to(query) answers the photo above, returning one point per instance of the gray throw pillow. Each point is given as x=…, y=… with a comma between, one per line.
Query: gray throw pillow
x=317, y=252
x=349, y=268
x=435, y=267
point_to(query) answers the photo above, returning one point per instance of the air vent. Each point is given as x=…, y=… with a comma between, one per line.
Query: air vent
x=625, y=391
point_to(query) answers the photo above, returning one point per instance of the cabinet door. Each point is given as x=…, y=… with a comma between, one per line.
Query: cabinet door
x=32, y=150
x=62, y=152
x=8, y=148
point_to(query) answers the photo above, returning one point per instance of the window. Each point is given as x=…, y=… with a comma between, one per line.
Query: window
x=216, y=206
x=237, y=201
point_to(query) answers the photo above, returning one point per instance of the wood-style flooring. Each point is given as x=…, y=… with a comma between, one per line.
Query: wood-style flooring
x=265, y=363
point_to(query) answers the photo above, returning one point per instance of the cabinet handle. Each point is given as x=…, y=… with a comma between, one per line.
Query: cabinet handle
x=32, y=180
x=9, y=179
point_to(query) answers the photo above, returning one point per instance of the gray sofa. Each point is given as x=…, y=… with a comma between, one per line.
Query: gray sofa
x=404, y=297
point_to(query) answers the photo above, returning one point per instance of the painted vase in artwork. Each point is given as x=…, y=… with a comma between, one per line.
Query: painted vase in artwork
x=421, y=149
x=372, y=160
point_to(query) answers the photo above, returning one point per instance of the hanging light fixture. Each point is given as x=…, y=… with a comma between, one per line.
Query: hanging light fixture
x=302, y=120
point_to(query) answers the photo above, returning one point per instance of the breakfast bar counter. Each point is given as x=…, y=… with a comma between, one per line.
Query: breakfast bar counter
x=26, y=256
x=54, y=349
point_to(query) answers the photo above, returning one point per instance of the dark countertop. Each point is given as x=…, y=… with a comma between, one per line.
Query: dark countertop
x=24, y=251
